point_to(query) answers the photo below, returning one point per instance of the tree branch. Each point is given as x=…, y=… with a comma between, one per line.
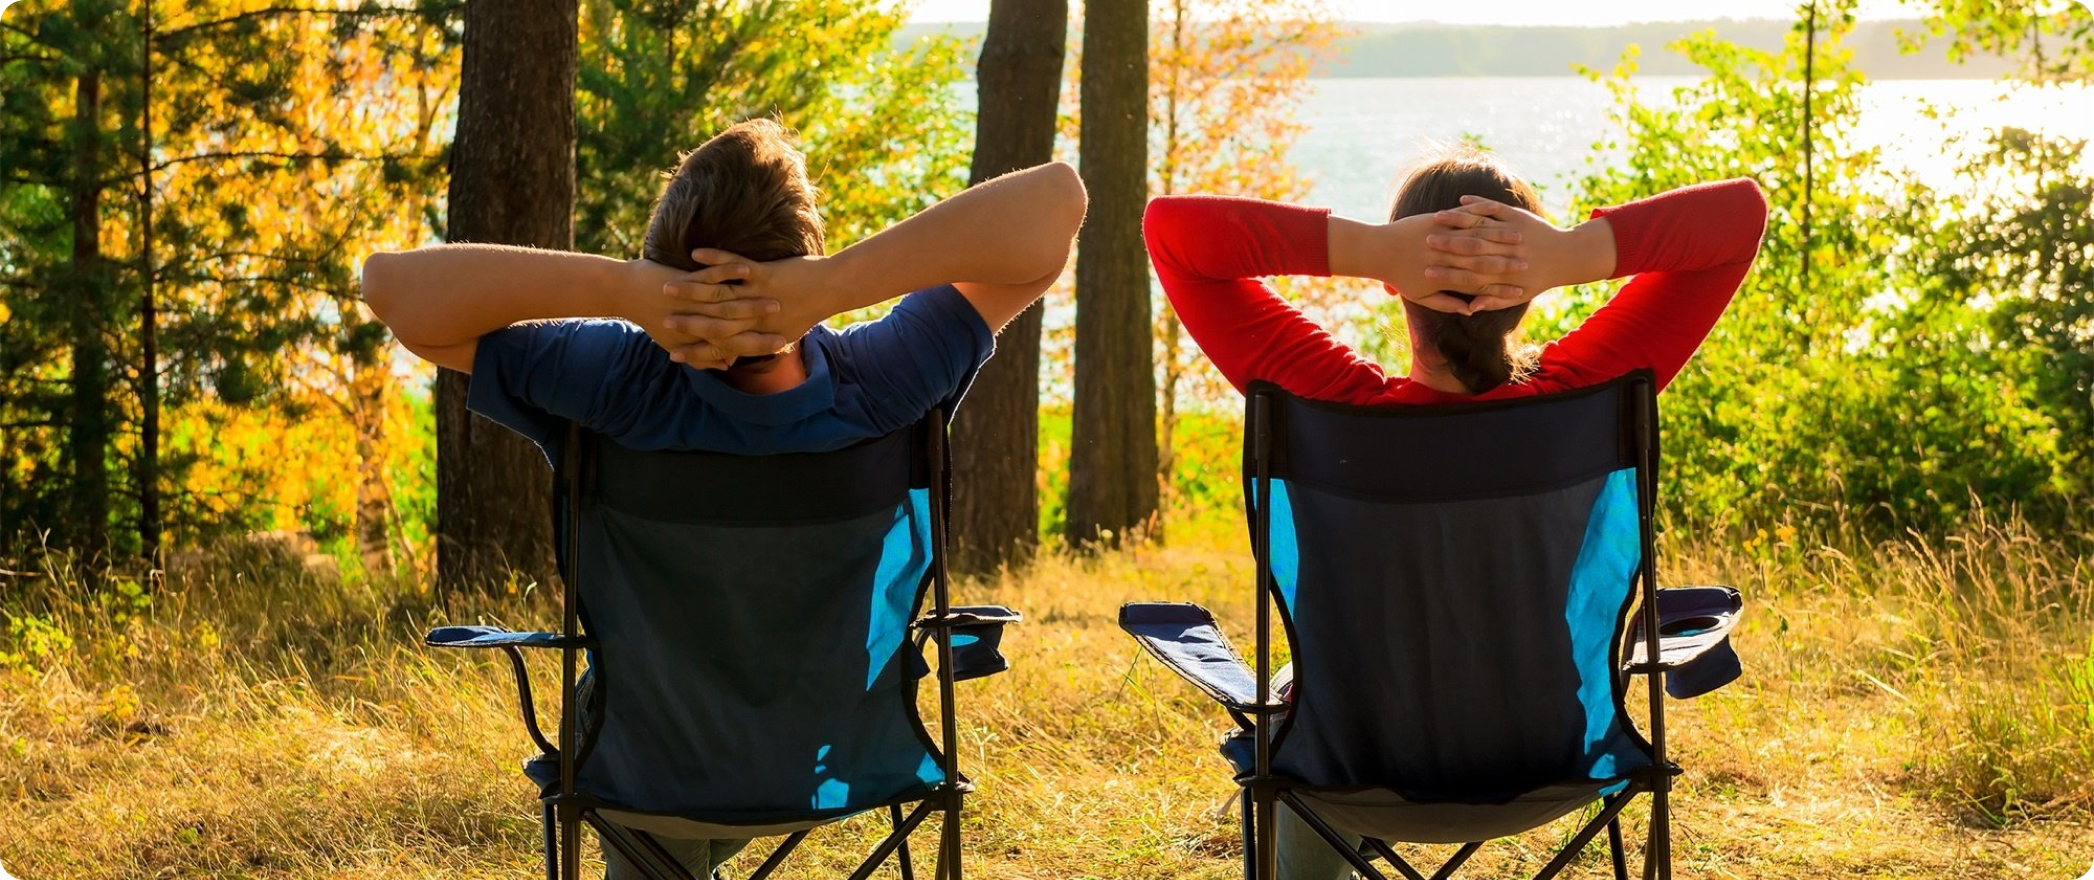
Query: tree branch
x=272, y=11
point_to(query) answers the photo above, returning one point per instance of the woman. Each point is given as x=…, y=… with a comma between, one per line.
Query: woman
x=1466, y=251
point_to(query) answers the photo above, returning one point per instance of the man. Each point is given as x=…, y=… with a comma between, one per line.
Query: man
x=713, y=340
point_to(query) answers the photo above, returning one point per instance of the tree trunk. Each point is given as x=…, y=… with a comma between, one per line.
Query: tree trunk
x=1112, y=473
x=996, y=436
x=512, y=182
x=148, y=321
x=87, y=438
x=370, y=396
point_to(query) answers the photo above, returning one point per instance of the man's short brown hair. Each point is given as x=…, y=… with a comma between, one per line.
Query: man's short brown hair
x=746, y=192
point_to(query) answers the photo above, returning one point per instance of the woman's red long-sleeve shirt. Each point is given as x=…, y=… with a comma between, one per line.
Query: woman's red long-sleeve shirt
x=1687, y=249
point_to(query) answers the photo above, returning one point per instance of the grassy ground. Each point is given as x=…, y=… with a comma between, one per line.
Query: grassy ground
x=1909, y=710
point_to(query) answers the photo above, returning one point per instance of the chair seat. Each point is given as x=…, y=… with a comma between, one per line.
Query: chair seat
x=1417, y=818
x=544, y=771
x=1390, y=816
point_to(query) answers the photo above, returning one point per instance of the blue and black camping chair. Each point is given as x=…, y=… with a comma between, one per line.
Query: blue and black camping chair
x=754, y=649
x=1455, y=583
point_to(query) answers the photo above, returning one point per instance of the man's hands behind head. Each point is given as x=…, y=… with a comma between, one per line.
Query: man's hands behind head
x=735, y=307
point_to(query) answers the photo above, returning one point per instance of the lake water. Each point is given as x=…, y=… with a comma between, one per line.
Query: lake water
x=1363, y=132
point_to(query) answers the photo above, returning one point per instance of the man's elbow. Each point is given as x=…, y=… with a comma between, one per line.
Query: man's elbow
x=1070, y=198
x=1062, y=210
x=380, y=287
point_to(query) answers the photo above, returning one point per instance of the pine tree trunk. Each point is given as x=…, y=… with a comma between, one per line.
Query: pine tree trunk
x=148, y=322
x=370, y=393
x=512, y=182
x=1112, y=472
x=996, y=436
x=87, y=438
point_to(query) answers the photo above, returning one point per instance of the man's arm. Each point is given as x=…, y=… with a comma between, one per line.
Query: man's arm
x=1002, y=243
x=440, y=300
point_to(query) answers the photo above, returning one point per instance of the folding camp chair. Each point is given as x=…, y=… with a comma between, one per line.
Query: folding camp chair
x=748, y=626
x=1455, y=583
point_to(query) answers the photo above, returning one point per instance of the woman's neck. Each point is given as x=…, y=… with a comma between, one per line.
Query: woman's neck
x=1434, y=374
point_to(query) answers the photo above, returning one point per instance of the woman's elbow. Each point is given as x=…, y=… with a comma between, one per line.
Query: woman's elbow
x=1752, y=199
x=1160, y=220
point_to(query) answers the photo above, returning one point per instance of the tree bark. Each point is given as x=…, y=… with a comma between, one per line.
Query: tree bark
x=87, y=438
x=996, y=436
x=148, y=320
x=512, y=182
x=1112, y=472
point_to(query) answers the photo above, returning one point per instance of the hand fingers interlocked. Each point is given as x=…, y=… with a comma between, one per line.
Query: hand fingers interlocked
x=1476, y=253
x=719, y=313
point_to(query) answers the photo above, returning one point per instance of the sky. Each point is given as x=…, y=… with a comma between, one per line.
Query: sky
x=1553, y=12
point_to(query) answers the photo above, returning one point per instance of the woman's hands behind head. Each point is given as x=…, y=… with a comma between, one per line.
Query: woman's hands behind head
x=1458, y=262
x=1542, y=257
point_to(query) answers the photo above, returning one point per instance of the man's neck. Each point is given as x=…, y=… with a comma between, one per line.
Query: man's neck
x=782, y=373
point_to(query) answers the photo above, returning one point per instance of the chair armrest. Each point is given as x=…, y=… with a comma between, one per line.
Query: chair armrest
x=977, y=639
x=497, y=637
x=1694, y=626
x=1185, y=637
x=511, y=644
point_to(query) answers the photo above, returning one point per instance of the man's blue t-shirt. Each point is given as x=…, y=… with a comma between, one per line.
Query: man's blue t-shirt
x=867, y=380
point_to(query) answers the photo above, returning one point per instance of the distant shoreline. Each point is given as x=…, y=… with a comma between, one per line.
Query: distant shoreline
x=1426, y=50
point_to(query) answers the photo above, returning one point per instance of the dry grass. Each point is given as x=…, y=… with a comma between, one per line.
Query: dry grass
x=1910, y=710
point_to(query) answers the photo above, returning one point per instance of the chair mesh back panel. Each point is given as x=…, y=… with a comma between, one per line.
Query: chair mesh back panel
x=753, y=615
x=1455, y=580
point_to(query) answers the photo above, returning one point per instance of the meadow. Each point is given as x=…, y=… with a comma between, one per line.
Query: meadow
x=218, y=473
x=1911, y=708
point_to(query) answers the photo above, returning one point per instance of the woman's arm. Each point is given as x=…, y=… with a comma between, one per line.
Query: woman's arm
x=1686, y=253
x=1209, y=251
x=440, y=300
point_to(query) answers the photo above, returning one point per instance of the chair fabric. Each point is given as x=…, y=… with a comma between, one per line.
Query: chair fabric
x=1186, y=639
x=748, y=626
x=1429, y=661
x=750, y=664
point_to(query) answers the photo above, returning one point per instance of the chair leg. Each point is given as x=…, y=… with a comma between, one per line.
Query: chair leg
x=908, y=869
x=1661, y=830
x=1268, y=864
x=570, y=842
x=1250, y=836
x=552, y=844
x=949, y=834
x=1621, y=859
x=1454, y=863
x=1578, y=842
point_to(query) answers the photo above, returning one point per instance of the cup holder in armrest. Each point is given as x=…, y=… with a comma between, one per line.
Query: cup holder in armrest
x=977, y=636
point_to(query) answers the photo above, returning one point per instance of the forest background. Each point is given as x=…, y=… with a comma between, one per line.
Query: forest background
x=189, y=383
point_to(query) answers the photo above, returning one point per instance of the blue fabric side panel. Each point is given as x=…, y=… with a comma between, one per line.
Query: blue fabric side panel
x=830, y=792
x=929, y=771
x=903, y=560
x=1285, y=554
x=1600, y=582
